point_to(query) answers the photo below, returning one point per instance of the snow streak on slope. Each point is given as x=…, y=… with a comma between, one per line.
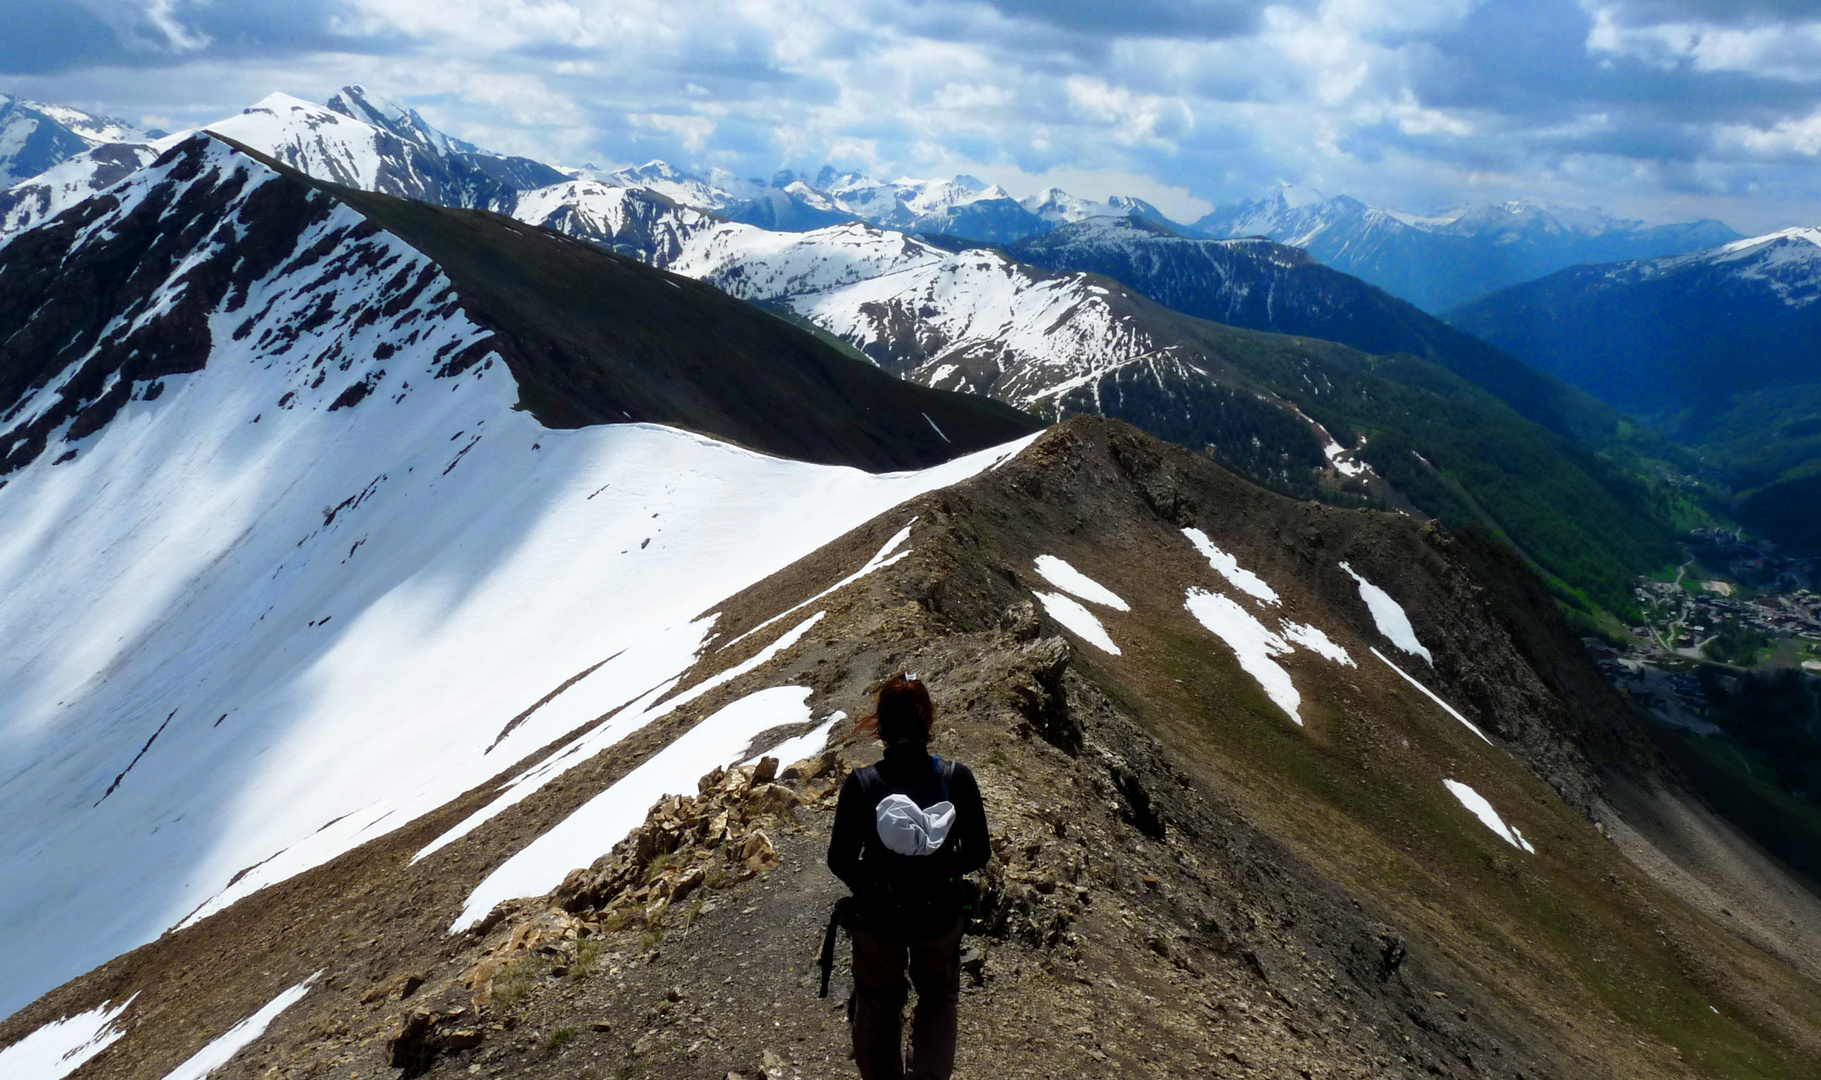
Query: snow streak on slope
x=1483, y=810
x=1431, y=695
x=604, y=820
x=291, y=600
x=1075, y=616
x=220, y=1051
x=1237, y=576
x=1389, y=616
x=1253, y=644
x=1060, y=573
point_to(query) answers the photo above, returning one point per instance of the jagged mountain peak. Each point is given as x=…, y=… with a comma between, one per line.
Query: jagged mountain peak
x=357, y=102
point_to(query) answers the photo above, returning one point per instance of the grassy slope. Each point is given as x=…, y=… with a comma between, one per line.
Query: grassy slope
x=1588, y=524
x=1574, y=936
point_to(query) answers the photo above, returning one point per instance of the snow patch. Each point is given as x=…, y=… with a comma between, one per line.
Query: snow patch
x=1252, y=642
x=1070, y=580
x=1389, y=616
x=1312, y=639
x=606, y=819
x=884, y=558
x=1238, y=576
x=61, y=1047
x=1483, y=810
x=231, y=1042
x=1078, y=620
x=1346, y=468
x=1431, y=695
x=796, y=749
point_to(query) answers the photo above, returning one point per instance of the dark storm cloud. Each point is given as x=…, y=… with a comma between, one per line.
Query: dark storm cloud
x=39, y=37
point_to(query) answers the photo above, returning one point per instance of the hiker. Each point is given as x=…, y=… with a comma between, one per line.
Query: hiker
x=906, y=831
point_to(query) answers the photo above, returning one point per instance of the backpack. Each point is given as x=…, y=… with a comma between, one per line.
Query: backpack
x=909, y=893
x=912, y=897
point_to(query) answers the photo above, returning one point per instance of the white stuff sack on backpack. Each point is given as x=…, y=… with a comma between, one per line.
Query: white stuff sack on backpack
x=909, y=829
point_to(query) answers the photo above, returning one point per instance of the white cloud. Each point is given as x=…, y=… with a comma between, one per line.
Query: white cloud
x=1401, y=102
x=1787, y=51
x=1131, y=118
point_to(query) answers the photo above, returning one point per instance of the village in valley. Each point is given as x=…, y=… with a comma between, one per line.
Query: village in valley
x=1736, y=605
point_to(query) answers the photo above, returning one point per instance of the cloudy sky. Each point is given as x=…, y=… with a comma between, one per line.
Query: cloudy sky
x=1664, y=109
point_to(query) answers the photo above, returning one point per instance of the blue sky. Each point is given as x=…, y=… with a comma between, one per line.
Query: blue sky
x=1664, y=109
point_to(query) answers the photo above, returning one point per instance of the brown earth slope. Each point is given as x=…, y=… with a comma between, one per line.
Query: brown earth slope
x=1185, y=882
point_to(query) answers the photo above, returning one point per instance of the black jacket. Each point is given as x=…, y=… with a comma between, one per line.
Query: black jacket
x=858, y=856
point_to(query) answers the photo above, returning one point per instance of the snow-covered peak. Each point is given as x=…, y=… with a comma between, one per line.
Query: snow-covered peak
x=311, y=138
x=718, y=191
x=1294, y=196
x=634, y=221
x=410, y=162
x=92, y=128
x=1057, y=206
x=358, y=103
x=1516, y=217
x=36, y=136
x=1423, y=221
x=811, y=196
x=1805, y=234
x=842, y=183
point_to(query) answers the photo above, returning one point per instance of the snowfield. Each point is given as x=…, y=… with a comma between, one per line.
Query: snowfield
x=242, y=632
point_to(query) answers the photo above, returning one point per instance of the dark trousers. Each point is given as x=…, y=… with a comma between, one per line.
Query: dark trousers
x=880, y=966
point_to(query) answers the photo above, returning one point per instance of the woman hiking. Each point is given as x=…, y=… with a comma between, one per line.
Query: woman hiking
x=906, y=831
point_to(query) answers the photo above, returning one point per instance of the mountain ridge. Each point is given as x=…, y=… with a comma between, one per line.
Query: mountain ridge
x=1174, y=895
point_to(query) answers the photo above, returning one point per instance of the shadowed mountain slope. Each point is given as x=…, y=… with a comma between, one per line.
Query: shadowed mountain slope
x=1259, y=285
x=1715, y=349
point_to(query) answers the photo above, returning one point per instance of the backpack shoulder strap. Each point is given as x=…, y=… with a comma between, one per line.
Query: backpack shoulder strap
x=945, y=770
x=872, y=785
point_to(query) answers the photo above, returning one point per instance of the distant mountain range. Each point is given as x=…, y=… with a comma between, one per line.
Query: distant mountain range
x=1441, y=261
x=1435, y=262
x=1716, y=349
x=35, y=136
x=1029, y=322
